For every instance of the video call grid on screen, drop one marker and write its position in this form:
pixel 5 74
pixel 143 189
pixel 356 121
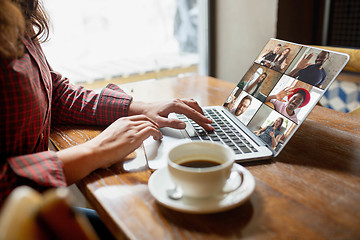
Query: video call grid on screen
pixel 298 74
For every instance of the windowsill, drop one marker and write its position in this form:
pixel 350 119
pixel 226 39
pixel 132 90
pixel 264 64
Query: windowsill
pixel 101 83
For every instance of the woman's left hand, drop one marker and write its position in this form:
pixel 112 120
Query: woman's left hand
pixel 159 111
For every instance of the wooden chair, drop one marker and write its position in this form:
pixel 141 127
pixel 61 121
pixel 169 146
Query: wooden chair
pixel 27 214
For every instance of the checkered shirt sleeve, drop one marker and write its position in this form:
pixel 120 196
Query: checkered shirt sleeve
pixel 33 96
pixel 76 105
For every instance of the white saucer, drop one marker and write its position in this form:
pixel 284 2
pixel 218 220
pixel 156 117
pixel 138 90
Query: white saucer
pixel 160 181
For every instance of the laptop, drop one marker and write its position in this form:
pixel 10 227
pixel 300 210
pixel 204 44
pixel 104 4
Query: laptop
pixel 267 106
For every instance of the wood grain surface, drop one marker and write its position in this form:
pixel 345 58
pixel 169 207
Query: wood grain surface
pixel 310 191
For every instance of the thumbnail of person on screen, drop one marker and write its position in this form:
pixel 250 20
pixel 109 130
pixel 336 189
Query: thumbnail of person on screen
pixel 243 105
pixel 297 98
pixel 230 102
pixel 253 88
pixel 271 134
pixel 280 60
pixel 270 56
pixel 313 74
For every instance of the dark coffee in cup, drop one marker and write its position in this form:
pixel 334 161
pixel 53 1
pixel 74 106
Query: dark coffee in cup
pixel 200 164
pixel 200 169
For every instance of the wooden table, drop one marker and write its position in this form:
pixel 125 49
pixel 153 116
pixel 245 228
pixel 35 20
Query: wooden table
pixel 310 191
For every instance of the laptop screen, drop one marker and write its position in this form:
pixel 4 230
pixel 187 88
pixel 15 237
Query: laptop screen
pixel 281 87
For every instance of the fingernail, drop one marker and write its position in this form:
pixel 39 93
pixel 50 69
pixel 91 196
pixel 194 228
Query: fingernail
pixel 181 125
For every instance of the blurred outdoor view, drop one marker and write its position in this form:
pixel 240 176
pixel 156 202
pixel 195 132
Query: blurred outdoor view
pixel 94 40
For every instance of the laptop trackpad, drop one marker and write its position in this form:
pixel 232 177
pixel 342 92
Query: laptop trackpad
pixel 156 151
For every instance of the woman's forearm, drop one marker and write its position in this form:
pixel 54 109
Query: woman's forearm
pixel 79 161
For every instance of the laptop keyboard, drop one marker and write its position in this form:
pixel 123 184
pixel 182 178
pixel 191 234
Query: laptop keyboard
pixel 223 132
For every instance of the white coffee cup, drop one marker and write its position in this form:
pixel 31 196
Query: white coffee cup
pixel 201 182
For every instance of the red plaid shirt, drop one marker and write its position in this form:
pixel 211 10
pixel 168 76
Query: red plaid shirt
pixel 33 96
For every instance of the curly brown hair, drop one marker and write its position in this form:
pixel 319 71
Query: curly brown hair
pixel 35 17
pixel 18 17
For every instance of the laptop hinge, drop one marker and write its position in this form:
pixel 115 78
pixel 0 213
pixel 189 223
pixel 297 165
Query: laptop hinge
pixel 249 133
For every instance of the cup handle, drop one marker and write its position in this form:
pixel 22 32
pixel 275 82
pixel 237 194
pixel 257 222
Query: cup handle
pixel 234 181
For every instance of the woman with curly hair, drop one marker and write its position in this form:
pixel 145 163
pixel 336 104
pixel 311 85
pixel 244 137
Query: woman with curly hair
pixel 34 97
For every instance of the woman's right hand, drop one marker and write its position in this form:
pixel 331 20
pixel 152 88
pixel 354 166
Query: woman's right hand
pixel 272 134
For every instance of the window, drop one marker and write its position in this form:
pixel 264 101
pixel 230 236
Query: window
pixel 96 40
